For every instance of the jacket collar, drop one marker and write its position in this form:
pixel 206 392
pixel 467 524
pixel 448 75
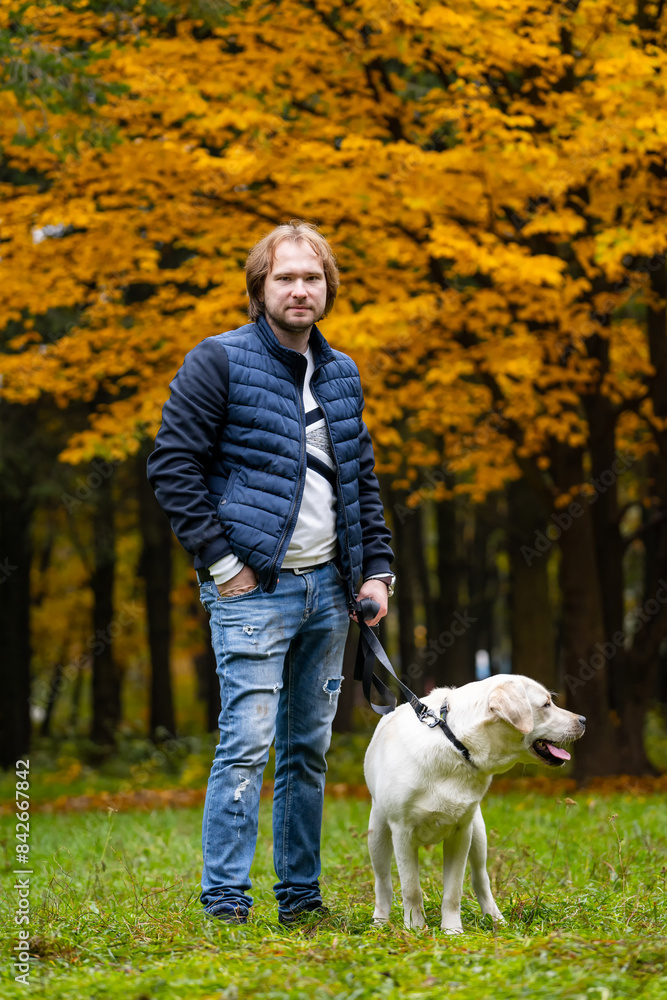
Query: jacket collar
pixel 322 353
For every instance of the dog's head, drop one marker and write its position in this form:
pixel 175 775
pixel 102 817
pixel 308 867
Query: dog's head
pixel 516 720
pixel 528 709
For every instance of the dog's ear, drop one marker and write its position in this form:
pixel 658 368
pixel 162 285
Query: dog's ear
pixel 511 704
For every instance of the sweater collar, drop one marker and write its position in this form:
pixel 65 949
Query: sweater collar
pixel 322 353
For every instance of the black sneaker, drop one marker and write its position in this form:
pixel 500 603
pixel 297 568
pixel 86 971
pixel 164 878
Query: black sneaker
pixel 220 911
pixel 310 914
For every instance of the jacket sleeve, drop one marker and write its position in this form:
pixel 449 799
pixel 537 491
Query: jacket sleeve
pixel 374 532
pixel 192 419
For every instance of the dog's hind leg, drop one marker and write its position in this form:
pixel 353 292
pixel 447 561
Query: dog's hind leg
pixel 379 848
pixel 478 872
pixel 407 861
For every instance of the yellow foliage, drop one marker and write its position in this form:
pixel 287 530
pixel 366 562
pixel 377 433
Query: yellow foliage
pixel 484 186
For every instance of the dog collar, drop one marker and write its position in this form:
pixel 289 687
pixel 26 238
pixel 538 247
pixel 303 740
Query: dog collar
pixel 441 722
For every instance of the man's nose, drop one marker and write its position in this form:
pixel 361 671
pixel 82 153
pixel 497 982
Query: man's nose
pixel 299 289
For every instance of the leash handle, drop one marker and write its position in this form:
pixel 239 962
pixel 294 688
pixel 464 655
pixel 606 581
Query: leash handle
pixel 366 609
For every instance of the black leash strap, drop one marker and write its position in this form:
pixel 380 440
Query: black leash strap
pixel 442 722
pixel 369 650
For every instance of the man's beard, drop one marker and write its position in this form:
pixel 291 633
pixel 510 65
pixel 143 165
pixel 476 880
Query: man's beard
pixel 296 325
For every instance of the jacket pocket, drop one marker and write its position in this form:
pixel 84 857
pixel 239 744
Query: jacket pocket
pixel 231 481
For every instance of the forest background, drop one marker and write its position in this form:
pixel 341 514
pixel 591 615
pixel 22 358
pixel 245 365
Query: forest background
pixel 493 179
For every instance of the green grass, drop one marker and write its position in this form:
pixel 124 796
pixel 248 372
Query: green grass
pixel 115 911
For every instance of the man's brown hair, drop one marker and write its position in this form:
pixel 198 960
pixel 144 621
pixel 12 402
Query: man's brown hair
pixel 260 261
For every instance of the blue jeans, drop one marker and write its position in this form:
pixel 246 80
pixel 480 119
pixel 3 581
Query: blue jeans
pixel 279 659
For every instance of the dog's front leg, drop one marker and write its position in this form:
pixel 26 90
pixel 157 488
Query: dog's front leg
pixel 478 872
pixel 407 862
pixel 454 856
pixel 379 848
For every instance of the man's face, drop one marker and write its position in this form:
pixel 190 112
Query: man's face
pixel 295 289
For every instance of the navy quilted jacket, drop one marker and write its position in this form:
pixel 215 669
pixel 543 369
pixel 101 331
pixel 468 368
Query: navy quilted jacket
pixel 229 463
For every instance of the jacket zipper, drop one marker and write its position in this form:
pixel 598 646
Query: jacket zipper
pixel 302 475
pixel 339 487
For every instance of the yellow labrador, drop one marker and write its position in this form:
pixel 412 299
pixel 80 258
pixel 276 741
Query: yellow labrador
pixel 427 786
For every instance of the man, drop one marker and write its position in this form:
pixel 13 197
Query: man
pixel 265 469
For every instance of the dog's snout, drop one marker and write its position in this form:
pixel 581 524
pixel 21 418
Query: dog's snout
pixel 582 720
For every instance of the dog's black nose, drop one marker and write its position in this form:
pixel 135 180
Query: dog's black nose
pixel 582 720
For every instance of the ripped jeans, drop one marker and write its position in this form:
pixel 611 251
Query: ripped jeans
pixel 279 660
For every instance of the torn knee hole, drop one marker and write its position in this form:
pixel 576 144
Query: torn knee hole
pixel 332 687
pixel 243 784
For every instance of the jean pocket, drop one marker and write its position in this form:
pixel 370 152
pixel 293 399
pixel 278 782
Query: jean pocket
pixel 207 594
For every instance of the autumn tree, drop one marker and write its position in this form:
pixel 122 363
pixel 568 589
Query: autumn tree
pixel 493 180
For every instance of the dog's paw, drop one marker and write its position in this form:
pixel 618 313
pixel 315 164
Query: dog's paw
pixel 451 930
pixel 380 921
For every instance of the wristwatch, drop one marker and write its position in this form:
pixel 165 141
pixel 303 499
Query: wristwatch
pixel 388 578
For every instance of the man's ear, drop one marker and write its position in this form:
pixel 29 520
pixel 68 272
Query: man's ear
pixel 509 703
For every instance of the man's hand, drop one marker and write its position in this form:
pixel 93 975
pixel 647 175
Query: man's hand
pixel 377 591
pixel 239 584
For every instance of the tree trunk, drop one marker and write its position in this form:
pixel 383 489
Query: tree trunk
pixel 643 660
pixel 106 708
pixel 15 558
pixel 644 657
pixel 607 466
pixel 586 666
pixel 54 689
pixel 75 702
pixel 424 596
pixel 482 583
pixel 531 619
pixel 454 653
pixel 155 568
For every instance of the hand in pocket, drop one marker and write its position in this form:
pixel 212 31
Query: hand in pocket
pixel 239 584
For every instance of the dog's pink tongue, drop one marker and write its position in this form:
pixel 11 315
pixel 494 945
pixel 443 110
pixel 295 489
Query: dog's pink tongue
pixel 558 752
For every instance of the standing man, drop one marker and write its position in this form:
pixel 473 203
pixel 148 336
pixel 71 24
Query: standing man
pixel 265 469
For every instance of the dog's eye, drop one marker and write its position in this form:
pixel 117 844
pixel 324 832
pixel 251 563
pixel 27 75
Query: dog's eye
pixel 548 705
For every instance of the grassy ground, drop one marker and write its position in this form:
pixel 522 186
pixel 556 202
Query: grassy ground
pixel 115 911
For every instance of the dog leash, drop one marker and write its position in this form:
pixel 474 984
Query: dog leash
pixel 368 651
